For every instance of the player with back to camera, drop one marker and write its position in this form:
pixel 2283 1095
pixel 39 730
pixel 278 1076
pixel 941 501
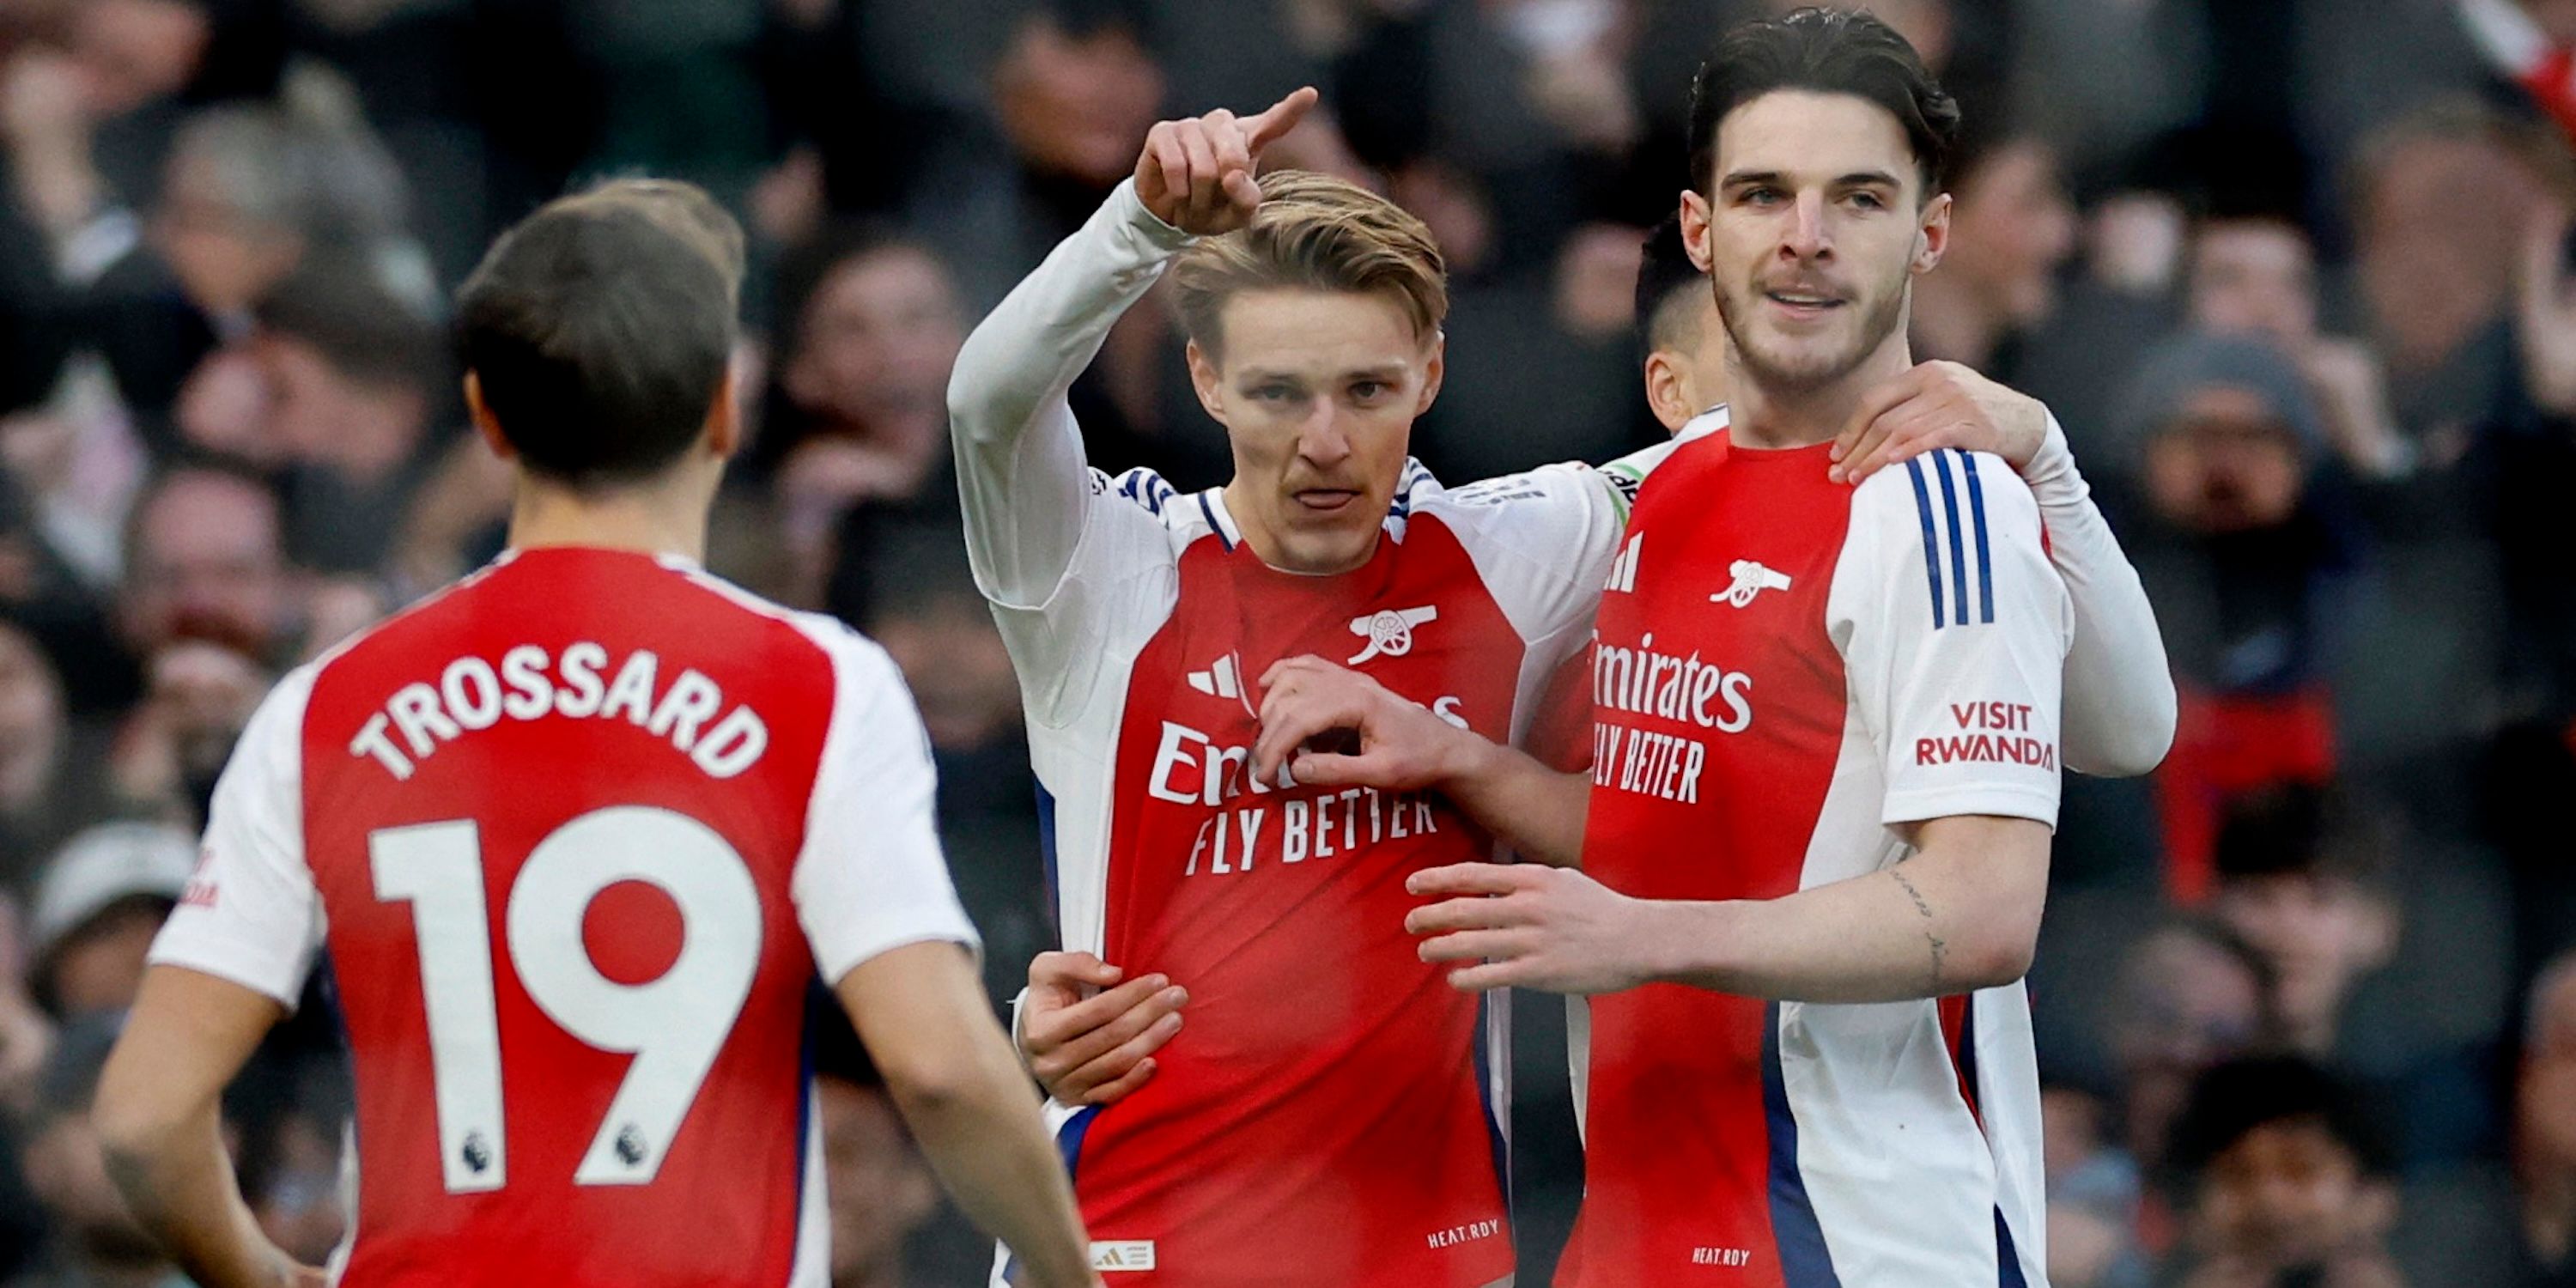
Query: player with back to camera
pixel 577 833
pixel 1141 618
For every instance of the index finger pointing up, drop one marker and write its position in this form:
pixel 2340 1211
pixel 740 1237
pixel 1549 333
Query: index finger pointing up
pixel 1261 131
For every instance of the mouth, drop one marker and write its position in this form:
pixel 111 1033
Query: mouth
pixel 1803 304
pixel 1321 501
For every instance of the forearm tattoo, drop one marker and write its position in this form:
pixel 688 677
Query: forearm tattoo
pixel 1940 947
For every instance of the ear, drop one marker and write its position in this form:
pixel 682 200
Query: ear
pixel 1934 240
pixel 1695 222
pixel 724 419
pixel 1668 390
pixel 1206 382
pixel 1434 371
pixel 485 424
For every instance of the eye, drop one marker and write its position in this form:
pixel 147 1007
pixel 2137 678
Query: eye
pixel 1761 196
pixel 1367 390
pixel 1868 201
pixel 1273 393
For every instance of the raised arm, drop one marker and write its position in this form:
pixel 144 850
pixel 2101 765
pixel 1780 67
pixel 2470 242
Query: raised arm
pixel 1021 473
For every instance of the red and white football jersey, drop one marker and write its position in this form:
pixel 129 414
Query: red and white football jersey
pixel 1331 1113
pixel 1786 670
pixel 577 834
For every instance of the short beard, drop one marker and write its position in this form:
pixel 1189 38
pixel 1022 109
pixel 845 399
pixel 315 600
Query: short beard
pixel 1795 381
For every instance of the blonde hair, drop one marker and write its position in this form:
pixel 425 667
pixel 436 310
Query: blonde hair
pixel 1314 232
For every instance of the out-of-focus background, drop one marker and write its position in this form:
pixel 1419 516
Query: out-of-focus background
pixel 2295 274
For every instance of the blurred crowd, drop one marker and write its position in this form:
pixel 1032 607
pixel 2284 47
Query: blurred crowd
pixel 2296 275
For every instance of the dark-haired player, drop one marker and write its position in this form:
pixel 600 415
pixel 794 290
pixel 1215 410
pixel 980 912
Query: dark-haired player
pixel 576 834
pixel 1826 753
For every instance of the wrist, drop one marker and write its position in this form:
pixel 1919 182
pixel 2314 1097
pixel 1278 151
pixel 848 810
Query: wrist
pixel 1465 760
pixel 1681 942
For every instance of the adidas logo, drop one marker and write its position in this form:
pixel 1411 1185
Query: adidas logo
pixel 1223 680
pixel 1623 570
pixel 1122 1254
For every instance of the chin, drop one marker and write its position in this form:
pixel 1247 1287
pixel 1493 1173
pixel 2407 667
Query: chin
pixel 1324 550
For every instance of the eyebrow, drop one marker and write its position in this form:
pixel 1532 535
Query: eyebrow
pixel 1388 373
pixel 1774 178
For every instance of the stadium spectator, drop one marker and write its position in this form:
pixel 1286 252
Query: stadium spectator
pixel 94 1240
pixel 879 1189
pixel 2257 276
pixel 2282 1180
pixel 206 560
pixel 2190 995
pixel 48 787
pixel 2247 571
pixel 355 385
pixel 2010 229
pixel 857 416
pixel 96 909
pixel 2301 878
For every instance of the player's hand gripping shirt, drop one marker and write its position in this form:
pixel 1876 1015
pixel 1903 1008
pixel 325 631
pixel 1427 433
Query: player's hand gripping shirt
pixel 581 831
pixel 1787 670
pixel 1330 1115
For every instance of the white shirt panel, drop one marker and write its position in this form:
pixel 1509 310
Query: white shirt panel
pixel 1954 629
pixel 251 914
pixel 871 876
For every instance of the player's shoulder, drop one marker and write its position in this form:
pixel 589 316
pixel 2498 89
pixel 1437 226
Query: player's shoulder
pixel 1186 516
pixel 854 657
pixel 1975 494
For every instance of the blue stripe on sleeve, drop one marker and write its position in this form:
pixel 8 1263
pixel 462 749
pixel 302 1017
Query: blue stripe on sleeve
pixel 1931 548
pixel 1958 546
pixel 1985 558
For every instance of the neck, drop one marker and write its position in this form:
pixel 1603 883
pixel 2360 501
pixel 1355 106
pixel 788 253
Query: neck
pixel 1762 416
pixel 665 519
pixel 1952 323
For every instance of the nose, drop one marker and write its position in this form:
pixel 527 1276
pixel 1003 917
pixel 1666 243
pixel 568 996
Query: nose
pixel 1805 237
pixel 1322 441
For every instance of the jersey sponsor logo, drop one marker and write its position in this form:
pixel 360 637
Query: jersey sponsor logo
pixel 1108 1255
pixel 1751 579
pixel 1468 1233
pixel 1626 481
pixel 1191 769
pixel 1623 570
pixel 1685 689
pixel 1224 679
pixel 470 696
pixel 1389 632
pixel 1993 733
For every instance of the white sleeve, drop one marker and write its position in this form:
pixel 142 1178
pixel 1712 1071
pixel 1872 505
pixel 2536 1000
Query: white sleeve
pixel 1022 479
pixel 871 876
pixel 2120 704
pixel 1954 629
pixel 251 914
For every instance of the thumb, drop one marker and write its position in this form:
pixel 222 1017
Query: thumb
pixel 1067 969
pixel 1261 131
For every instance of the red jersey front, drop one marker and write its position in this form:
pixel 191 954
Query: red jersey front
pixel 1330 1113
pixel 581 830
pixel 1787 670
